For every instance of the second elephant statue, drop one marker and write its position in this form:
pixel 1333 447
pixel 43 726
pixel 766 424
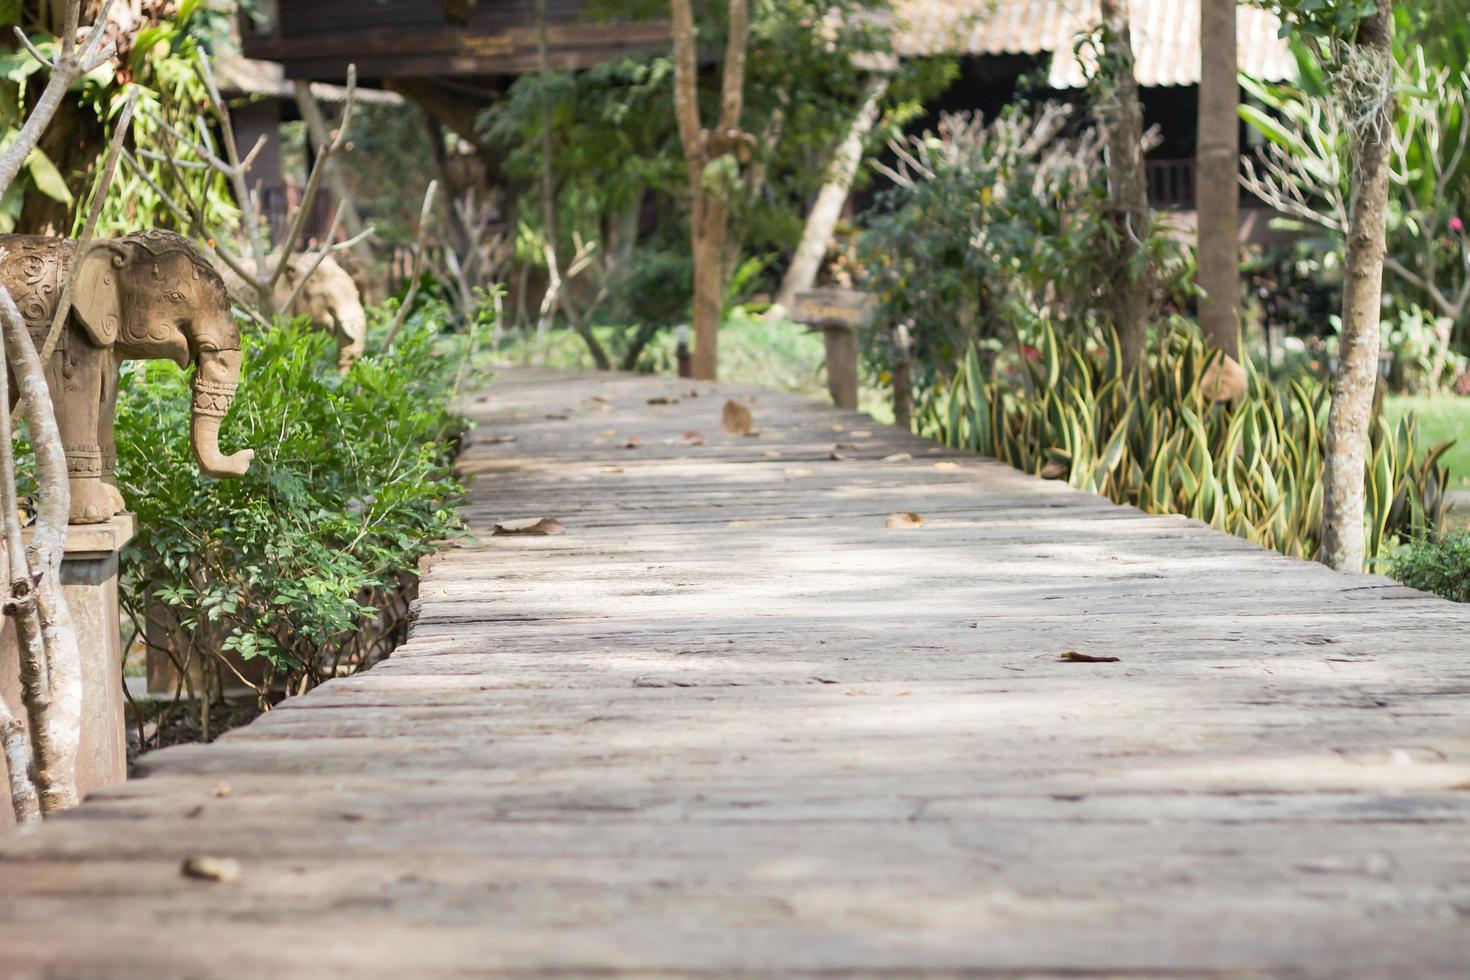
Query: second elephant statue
pixel 330 298
pixel 147 295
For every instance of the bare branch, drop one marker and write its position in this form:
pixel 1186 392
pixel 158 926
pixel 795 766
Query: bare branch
pixel 425 213
pixel 99 197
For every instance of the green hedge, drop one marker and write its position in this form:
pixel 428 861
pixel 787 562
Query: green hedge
pixel 350 485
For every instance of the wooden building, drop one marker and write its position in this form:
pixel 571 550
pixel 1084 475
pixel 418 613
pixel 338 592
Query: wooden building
pixel 438 38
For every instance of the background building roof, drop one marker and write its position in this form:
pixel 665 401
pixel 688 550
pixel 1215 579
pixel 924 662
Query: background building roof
pixel 1165 36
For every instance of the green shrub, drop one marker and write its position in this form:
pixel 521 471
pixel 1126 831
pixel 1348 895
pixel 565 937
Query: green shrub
pixel 1253 467
pixel 350 485
pixel 1439 565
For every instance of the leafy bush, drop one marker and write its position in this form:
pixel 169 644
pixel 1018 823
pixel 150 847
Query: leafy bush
pixel 992 223
pixel 351 484
pixel 1154 440
pixel 1439 565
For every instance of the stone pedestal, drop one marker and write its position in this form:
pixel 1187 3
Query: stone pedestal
pixel 89 582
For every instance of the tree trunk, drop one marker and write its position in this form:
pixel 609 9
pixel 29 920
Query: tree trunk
pixel 1127 185
pixel 320 136
pixel 709 285
pixel 831 199
pixel 709 213
pixel 1370 82
pixel 1217 165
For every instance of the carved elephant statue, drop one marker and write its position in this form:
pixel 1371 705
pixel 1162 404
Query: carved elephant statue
pixel 147 295
pixel 330 298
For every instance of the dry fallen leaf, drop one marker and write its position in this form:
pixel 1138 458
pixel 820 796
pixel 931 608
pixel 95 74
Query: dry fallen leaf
pixel 1073 657
pixel 1054 469
pixel 945 464
pixel 897 458
pixel 836 455
pixel 772 454
pixel 904 518
pixel 737 419
pixel 838 427
pixel 207 868
pixel 663 400
pixel 692 438
pixel 845 445
pixel 545 526
pixel 611 469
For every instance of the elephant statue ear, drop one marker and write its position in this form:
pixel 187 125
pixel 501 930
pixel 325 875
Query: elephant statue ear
pixel 95 297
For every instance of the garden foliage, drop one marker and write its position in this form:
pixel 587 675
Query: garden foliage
pixel 993 224
pixel 1155 440
pixel 1435 564
pixel 350 486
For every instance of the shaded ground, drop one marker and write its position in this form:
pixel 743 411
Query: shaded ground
pixel 730 722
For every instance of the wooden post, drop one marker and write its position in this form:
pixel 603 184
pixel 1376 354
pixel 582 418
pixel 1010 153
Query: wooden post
pixel 840 313
pixel 842 361
pixel 903 385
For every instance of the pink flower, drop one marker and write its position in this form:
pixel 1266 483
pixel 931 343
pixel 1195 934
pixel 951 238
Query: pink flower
pixel 1456 225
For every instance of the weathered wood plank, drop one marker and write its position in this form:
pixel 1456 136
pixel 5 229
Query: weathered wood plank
pixel 729 723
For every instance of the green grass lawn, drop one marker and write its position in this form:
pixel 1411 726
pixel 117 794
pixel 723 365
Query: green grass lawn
pixel 1442 419
pixel 780 355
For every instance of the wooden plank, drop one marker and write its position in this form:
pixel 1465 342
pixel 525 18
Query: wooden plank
pixel 731 724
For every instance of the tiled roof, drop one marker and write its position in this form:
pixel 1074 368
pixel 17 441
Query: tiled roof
pixel 1165 35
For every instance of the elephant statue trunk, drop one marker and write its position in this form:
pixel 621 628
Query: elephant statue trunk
pixel 215 379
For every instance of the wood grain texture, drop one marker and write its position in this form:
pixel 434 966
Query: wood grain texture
pixel 729 724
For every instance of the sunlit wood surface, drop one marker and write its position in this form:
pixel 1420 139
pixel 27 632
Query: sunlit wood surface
pixel 729 723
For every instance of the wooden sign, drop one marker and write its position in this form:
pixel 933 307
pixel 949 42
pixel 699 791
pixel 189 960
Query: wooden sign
pixel 850 308
pixel 838 313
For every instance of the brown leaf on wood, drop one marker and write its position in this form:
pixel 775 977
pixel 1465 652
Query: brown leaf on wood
pixel 737 419
pixel 945 464
pixel 904 518
pixel 1053 470
pixel 1224 380
pixel 692 438
pixel 897 458
pixel 836 455
pixel 545 526
pixel 1073 657
pixel 208 868
pixel 845 445
pixel 663 400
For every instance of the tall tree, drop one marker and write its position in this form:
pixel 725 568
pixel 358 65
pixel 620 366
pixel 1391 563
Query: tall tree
pixel 1217 162
pixel 1365 93
pixel 713 159
pixel 1127 182
pixel 832 198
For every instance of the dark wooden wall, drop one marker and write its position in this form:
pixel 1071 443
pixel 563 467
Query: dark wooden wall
pixel 317 39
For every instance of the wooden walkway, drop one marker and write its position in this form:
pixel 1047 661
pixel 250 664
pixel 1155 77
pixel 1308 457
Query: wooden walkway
pixel 729 724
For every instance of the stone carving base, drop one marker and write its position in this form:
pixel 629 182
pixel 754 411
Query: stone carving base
pixel 89 581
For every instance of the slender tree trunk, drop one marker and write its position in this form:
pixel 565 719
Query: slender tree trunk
pixel 1127 185
pixel 320 136
pixel 1367 91
pixel 1217 166
pixel 831 199
pixel 709 215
